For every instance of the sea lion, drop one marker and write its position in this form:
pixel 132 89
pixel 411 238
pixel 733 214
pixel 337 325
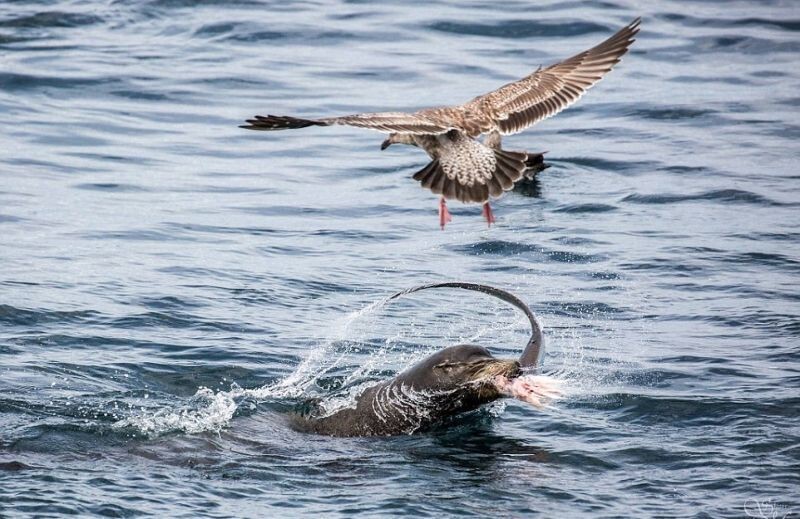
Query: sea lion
pixel 454 380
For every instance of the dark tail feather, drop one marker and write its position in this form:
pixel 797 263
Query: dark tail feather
pixel 279 122
pixel 533 351
pixel 426 174
pixel 495 189
pixel 535 164
pixel 434 178
pixel 510 167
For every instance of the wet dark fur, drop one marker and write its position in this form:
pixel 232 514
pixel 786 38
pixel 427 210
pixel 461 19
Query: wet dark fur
pixel 452 381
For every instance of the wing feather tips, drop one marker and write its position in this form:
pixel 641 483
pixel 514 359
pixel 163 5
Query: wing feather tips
pixel 558 86
pixel 279 122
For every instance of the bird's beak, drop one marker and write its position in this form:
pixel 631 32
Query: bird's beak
pixel 385 144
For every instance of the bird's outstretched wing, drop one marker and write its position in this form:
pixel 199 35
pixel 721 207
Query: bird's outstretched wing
pixel 386 122
pixel 518 105
pixel 509 109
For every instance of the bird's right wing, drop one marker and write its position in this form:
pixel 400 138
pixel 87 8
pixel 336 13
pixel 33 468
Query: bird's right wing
pixel 547 91
pixel 386 122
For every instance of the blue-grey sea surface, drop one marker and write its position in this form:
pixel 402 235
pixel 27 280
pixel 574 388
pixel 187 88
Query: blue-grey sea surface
pixel 173 287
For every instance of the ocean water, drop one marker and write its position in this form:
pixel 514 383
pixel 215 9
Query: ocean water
pixel 172 287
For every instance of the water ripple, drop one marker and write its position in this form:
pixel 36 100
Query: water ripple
pixel 520 29
pixel 735 196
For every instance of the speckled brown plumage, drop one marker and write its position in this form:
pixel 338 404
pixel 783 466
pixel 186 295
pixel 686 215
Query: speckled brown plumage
pixel 462 167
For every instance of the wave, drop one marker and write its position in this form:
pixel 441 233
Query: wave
pixel 521 29
pixel 737 196
pixel 51 19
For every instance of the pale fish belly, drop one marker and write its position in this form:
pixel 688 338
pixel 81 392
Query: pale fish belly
pixel 538 390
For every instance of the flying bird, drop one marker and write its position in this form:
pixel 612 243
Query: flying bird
pixel 462 167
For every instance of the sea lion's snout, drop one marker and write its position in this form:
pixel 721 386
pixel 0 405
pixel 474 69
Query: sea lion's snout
pixel 484 374
pixel 515 369
pixel 494 367
pixel 385 144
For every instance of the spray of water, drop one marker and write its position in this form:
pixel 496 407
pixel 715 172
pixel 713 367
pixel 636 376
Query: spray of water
pixel 210 410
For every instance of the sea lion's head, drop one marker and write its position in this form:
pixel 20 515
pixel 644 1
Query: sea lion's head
pixel 468 371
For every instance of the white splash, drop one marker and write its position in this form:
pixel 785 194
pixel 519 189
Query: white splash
pixel 207 411
pixel 323 359
pixel 212 411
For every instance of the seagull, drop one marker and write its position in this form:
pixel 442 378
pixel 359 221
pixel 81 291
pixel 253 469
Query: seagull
pixel 463 167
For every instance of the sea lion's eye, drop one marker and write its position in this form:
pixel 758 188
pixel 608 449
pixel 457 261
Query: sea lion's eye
pixel 446 366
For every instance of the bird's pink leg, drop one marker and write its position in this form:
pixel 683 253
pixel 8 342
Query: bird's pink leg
pixel 488 214
pixel 444 214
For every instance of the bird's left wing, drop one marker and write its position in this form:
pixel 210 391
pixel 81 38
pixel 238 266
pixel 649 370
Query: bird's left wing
pixel 386 122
